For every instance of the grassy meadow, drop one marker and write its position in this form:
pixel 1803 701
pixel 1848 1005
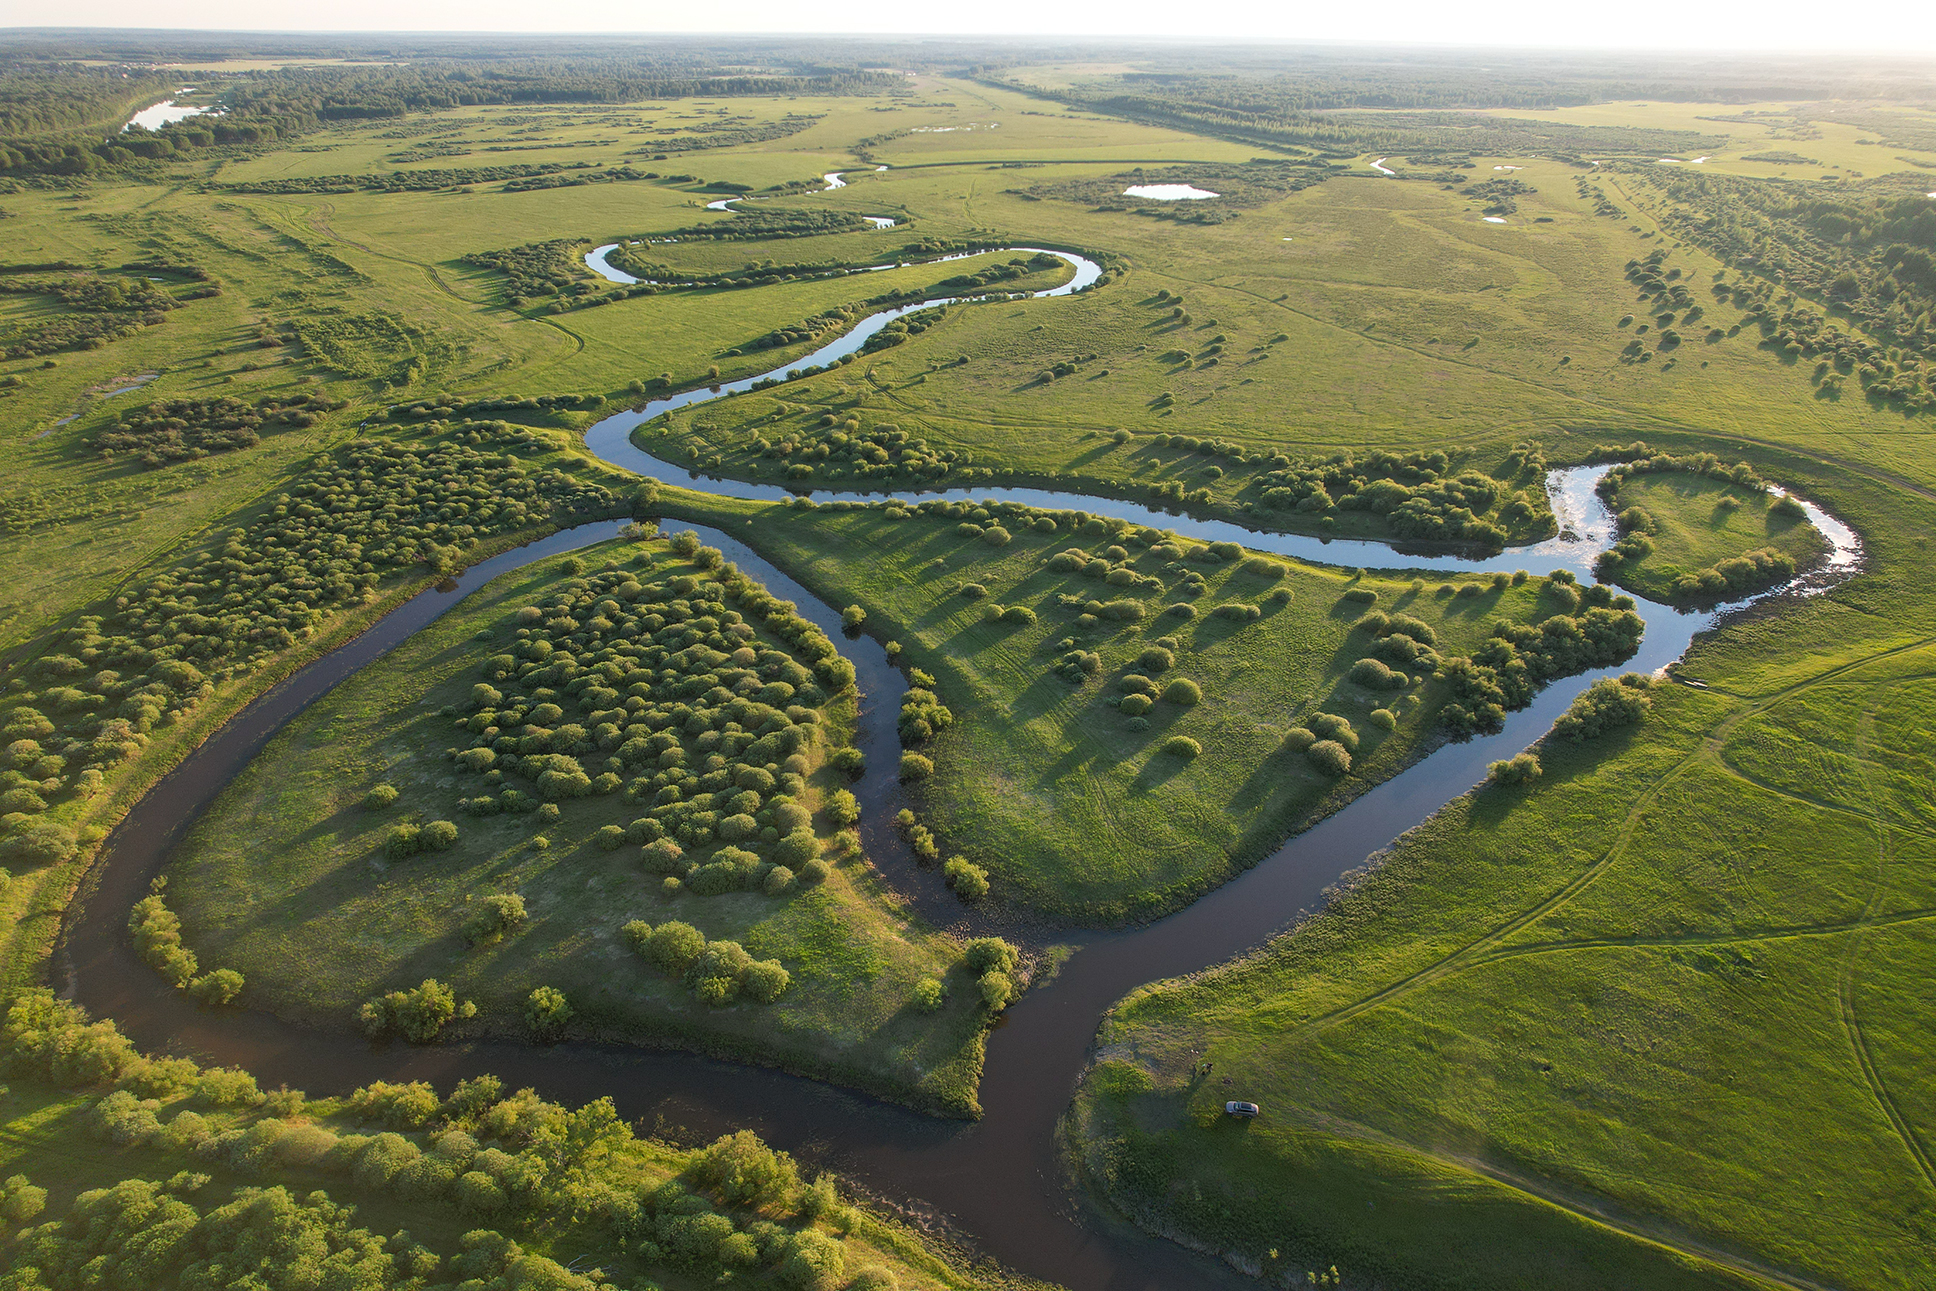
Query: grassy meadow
pixel 1696 522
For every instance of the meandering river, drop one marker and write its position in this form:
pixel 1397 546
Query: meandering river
pixel 998 1181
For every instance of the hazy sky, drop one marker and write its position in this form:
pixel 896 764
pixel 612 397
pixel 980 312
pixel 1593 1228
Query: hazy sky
pixel 1887 26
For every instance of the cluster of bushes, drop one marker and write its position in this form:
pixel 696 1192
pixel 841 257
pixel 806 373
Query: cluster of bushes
pixel 703 713
pixel 1860 250
pixel 158 939
pixel 1638 458
pixel 882 450
pixel 537 269
pixel 1327 740
pixel 719 972
pixel 1606 705
pixel 95 310
pixel 1418 493
pixel 496 917
pixel 1597 630
pixel 969 880
pixel 1520 768
pixel 735 1208
pixel 452 406
pixel 1500 195
pixel 993 962
pixel 174 430
pixel 923 715
pixel 407 839
pixel 419 1014
pixel 373 510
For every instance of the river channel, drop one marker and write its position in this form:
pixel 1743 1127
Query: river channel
pixel 998 1181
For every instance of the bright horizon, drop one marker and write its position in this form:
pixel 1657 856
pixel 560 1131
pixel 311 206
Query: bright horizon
pixel 1887 28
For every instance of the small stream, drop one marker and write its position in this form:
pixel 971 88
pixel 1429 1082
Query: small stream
pixel 999 1181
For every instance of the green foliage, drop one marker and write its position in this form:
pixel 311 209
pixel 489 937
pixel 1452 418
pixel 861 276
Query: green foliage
pixel 1330 757
pixel 546 1012
pixel 1183 692
pixel 915 767
pixel 1182 746
pixel 1606 705
pixel 970 881
pixel 379 797
pixel 496 917
pixel 1521 768
pixel 1502 673
pixel 419 1015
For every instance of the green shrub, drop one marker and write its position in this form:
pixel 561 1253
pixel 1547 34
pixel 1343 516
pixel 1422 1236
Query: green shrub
pixel 970 881
pixel 1606 705
pixel 404 840
pixel 495 917
pixel 419 1015
pixel 1330 726
pixel 986 953
pixel 438 836
pixel 609 838
pixel 1135 705
pixel 546 1011
pixel 929 995
pixel 1182 746
pixel 915 767
pixel 1374 674
pixel 1362 595
pixel 35 843
pixel 997 990
pixel 1299 738
pixel 217 988
pixel 842 808
pixel 1155 659
pixel 674 946
pixel 379 797
pixel 1330 757
pixel 1183 692
pixel 852 617
pixel 1384 719
pixel 1522 768
pixel 813 872
pixel 765 980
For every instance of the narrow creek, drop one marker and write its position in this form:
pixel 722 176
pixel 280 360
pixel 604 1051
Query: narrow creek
pixel 998 1181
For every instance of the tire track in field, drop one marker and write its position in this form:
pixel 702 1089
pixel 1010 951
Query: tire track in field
pixel 1474 952
pixel 1846 981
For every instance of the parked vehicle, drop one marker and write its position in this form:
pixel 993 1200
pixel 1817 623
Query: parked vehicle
pixel 1245 1110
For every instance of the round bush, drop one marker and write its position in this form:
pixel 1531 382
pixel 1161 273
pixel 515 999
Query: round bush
pixel 779 881
pixel 765 980
pixel 1523 768
pixel 915 767
pixel 1182 610
pixel 439 835
pixel 796 849
pixel 813 872
pixel 1384 719
pixel 1135 705
pixel 1362 595
pixel 1155 659
pixel 1330 757
pixel 674 946
pixel 929 994
pixel 1183 691
pixel 1182 746
pixel 379 797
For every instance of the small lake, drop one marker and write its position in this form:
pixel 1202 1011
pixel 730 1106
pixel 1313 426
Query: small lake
pixel 1169 192
pixel 167 112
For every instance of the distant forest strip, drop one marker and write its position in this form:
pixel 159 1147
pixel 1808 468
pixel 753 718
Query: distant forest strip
pixel 1266 112
pixel 64 119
